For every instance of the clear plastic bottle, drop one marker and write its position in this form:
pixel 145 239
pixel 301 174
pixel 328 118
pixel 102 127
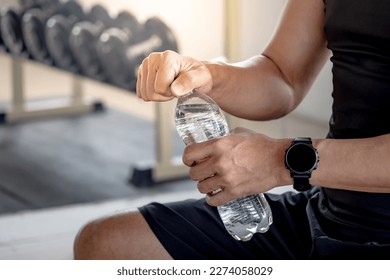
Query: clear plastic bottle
pixel 198 118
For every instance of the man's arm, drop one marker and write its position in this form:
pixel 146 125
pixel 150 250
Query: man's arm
pixel 271 85
pixel 356 164
pixel 255 164
pixel 267 86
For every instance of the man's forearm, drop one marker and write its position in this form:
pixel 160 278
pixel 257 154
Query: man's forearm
pixel 357 164
pixel 254 89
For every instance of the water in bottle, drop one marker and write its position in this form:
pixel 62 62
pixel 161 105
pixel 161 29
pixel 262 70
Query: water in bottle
pixel 198 118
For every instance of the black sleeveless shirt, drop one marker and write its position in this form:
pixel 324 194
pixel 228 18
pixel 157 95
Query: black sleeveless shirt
pixel 358 33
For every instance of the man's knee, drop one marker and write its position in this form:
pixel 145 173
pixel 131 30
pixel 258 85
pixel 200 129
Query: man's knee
pixel 105 238
pixel 124 236
pixel 88 242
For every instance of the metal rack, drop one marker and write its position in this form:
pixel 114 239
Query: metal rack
pixel 164 168
pixel 20 111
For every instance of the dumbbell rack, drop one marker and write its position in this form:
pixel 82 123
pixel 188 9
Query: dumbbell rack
pixel 164 168
pixel 19 110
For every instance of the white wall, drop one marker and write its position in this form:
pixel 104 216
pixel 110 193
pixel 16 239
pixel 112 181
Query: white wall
pixel 198 24
pixel 259 19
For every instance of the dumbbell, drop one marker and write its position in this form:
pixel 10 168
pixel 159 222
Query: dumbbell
pixel 85 36
pixel 10 25
pixel 127 26
pixel 33 28
pixel 82 40
pixel 56 33
pixel 113 39
pixel 11 31
pixel 121 57
pixel 99 15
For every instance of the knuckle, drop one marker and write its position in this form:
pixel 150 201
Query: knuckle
pixel 202 187
pixel 153 55
pixel 186 159
pixel 167 56
pixel 193 174
pixel 145 61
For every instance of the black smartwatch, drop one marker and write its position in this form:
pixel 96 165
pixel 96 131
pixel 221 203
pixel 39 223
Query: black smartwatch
pixel 301 159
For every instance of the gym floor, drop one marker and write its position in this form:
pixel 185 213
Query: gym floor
pixel 46 230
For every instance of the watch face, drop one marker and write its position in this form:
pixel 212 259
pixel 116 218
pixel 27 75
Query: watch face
pixel 301 158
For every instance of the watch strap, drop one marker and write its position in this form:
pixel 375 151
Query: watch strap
pixel 302 140
pixel 301 183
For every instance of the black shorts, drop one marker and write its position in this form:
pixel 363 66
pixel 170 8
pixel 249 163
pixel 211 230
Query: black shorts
pixel 192 229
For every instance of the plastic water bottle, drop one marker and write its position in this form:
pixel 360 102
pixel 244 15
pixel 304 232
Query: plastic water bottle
pixel 198 118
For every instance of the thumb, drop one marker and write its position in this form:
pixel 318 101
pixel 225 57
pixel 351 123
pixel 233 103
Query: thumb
pixel 199 79
pixel 178 88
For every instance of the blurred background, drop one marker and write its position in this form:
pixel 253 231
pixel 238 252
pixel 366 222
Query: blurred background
pixel 75 142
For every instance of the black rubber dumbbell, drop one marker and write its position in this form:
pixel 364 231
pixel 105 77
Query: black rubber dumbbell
pixel 99 15
pixel 11 31
pixel 85 36
pixel 114 39
pixel 33 28
pixel 57 31
pixel 126 22
pixel 82 40
pixel 121 57
pixel 10 25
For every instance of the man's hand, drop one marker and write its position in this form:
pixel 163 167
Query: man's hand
pixel 240 164
pixel 162 76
